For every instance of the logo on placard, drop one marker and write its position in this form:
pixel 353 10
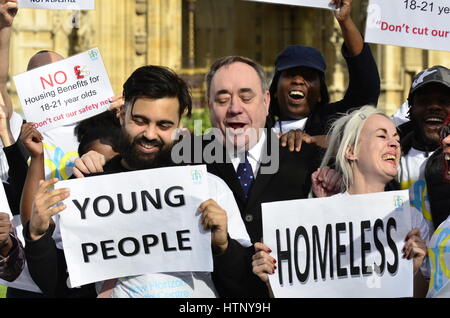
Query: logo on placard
pixel 81 71
pixel 398 202
pixel 197 176
pixel 93 54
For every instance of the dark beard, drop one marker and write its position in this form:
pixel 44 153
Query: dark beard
pixel 138 160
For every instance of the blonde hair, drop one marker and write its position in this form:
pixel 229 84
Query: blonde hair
pixel 344 134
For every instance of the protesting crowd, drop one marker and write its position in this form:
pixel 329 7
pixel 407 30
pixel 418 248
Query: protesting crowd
pixel 272 140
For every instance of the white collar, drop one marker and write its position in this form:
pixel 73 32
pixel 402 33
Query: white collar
pixel 255 151
pixel 284 126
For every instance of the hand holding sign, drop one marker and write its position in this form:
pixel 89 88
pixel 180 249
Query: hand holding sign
pixel 215 219
pixel 32 140
pixel 8 10
pixel 5 239
pixel 344 9
pixel 44 209
pixel 415 248
pixel 263 264
pixel 117 102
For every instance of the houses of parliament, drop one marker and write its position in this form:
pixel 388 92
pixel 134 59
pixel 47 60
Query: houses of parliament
pixel 188 35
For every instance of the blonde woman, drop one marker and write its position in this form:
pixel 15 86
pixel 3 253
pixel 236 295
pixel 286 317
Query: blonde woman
pixel 364 148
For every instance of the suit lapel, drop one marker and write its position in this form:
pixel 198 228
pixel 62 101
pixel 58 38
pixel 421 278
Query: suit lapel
pixel 226 172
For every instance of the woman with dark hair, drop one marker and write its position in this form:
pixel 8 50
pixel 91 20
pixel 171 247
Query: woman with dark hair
pixel 299 95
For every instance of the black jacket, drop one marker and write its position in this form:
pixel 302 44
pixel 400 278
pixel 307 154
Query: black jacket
pixel 438 188
pixel 16 176
pixel 233 276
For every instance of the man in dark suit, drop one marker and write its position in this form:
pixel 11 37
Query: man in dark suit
pixel 254 167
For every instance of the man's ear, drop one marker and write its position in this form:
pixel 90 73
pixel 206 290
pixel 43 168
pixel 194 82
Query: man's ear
pixel 121 114
pixel 267 102
pixel 350 153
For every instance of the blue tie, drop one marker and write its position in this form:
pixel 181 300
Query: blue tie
pixel 245 175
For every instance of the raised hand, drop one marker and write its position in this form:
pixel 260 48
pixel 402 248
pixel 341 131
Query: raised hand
pixel 344 9
pixel 326 182
pixel 31 138
pixel 8 10
pixel 44 207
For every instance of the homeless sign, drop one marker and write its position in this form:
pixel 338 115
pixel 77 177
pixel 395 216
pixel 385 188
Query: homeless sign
pixel 58 4
pixel 135 223
pixel 341 246
pixel 325 4
pixel 411 23
pixel 65 92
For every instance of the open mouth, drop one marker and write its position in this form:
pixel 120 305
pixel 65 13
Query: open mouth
pixel 236 125
pixel 296 95
pixel 390 158
pixel 148 146
pixel 434 121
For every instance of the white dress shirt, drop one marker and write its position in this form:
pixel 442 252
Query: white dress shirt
pixel 254 155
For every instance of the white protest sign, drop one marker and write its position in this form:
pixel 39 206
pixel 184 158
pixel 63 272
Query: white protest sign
pixel 57 4
pixel 410 23
pixel 135 223
pixel 342 246
pixel 65 92
pixel 325 4
pixel 24 281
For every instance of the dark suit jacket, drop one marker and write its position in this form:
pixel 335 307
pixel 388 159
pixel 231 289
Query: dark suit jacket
pixel 233 274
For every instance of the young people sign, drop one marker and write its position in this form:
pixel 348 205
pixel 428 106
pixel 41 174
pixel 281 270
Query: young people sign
pixel 135 223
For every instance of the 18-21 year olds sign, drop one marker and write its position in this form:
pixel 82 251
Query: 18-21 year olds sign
pixel 341 246
pixel 58 4
pixel 421 24
pixel 66 91
pixel 135 223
